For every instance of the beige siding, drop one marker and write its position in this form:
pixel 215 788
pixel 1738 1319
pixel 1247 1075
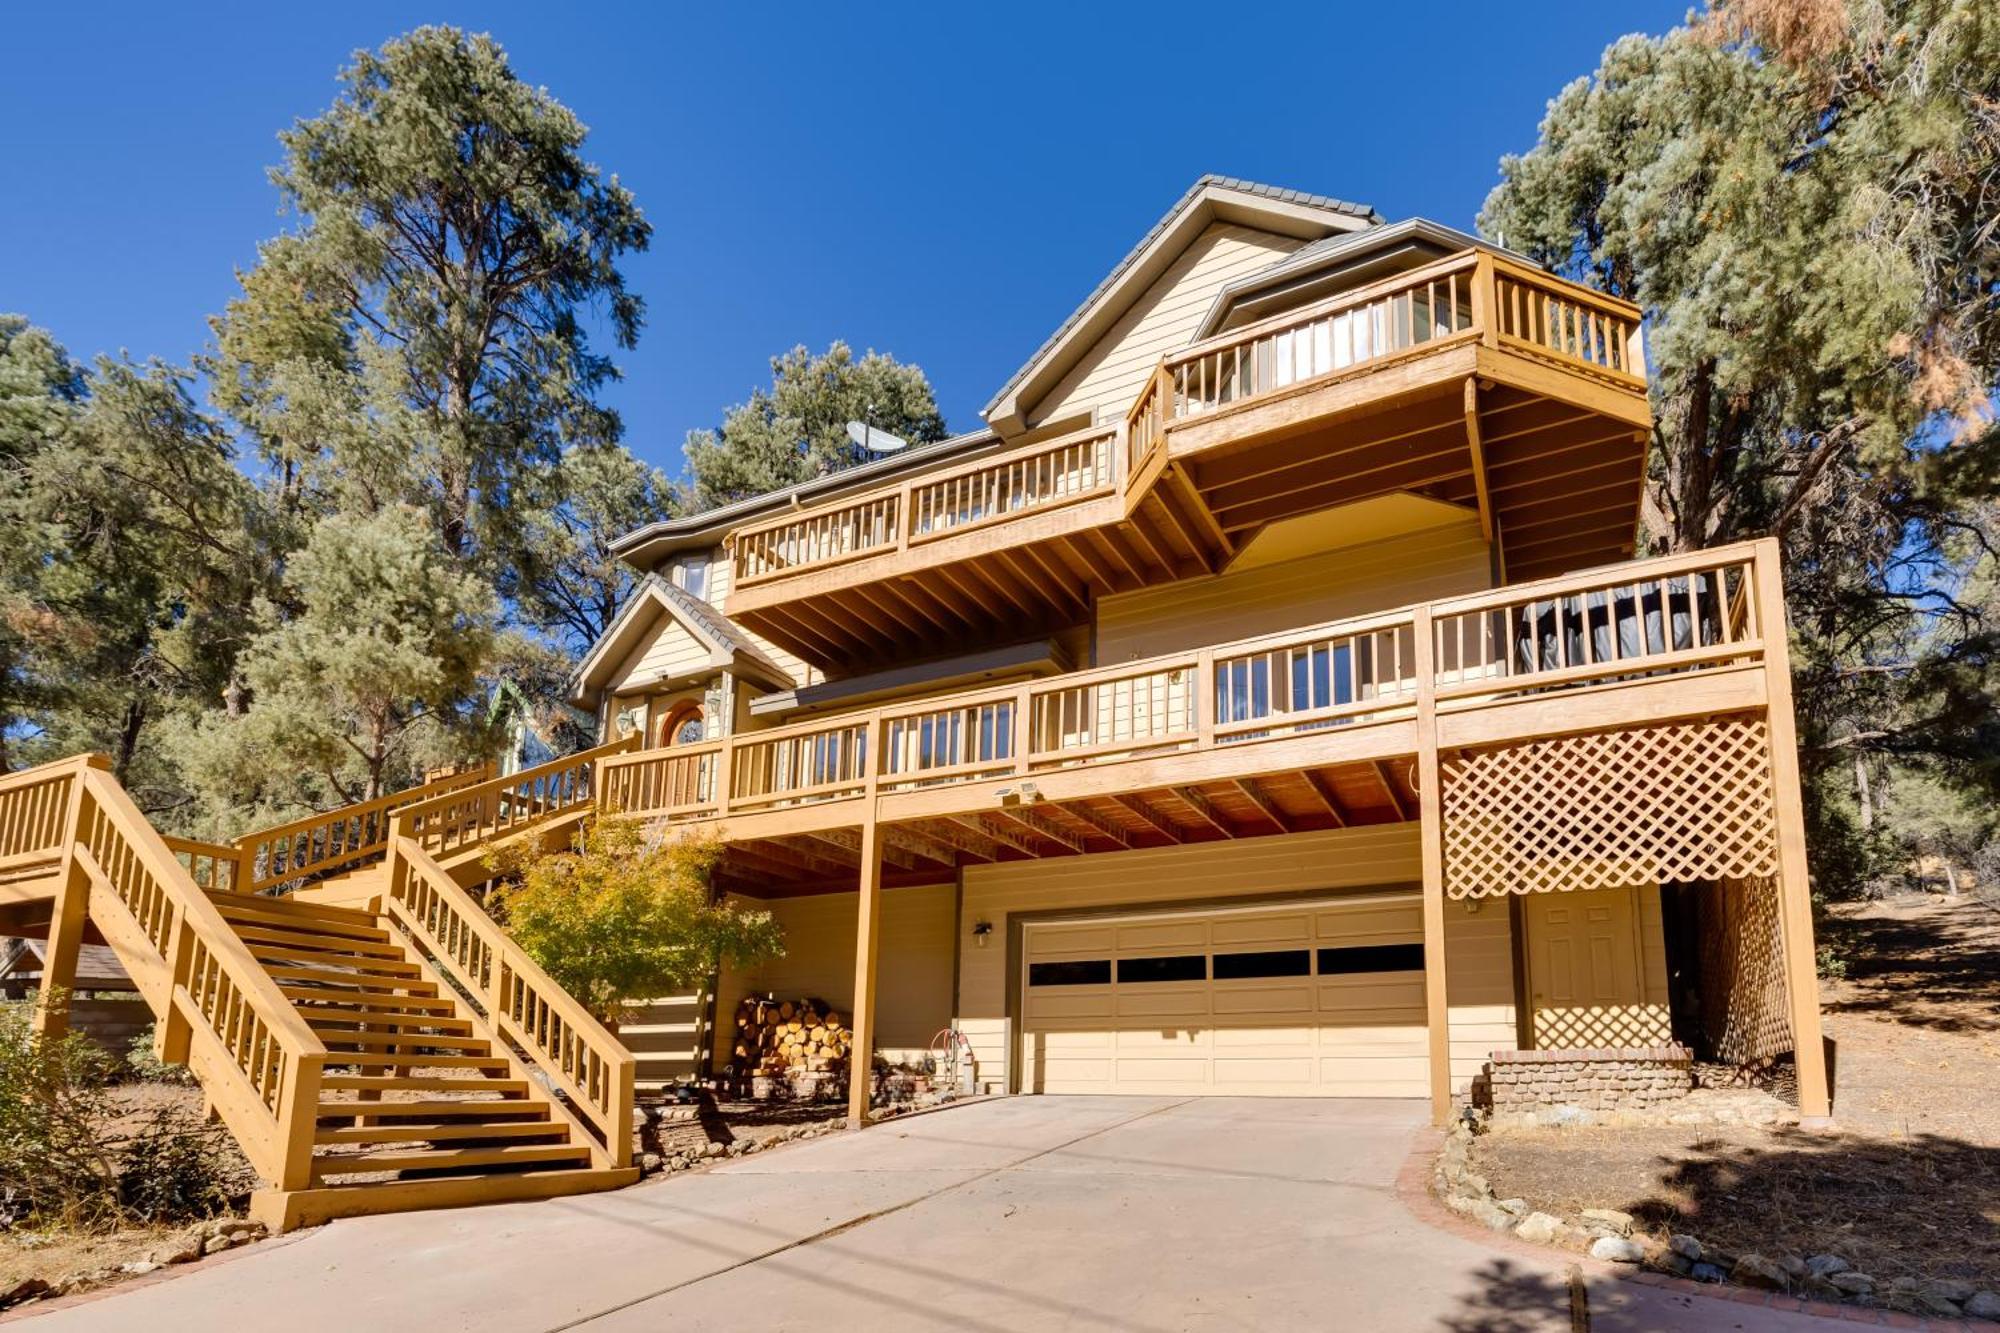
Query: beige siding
pixel 1478 945
pixel 914 971
pixel 1162 320
pixel 1353 581
pixel 718 593
pixel 666 652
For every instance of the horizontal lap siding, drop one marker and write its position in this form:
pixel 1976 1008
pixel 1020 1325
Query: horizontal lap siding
pixel 914 969
pixel 667 650
pixel 1445 561
pixel 719 574
pixel 1482 1002
pixel 1164 319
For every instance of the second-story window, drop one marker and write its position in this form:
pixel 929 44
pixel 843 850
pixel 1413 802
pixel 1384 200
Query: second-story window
pixel 694 577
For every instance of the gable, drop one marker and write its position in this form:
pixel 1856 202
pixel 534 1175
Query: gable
pixel 1165 318
pixel 665 651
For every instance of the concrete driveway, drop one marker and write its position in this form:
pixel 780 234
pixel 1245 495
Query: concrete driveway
pixel 1128 1214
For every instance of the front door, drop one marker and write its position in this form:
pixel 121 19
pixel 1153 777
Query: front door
pixel 1585 986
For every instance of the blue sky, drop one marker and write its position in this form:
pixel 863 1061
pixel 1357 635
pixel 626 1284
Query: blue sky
pixel 941 182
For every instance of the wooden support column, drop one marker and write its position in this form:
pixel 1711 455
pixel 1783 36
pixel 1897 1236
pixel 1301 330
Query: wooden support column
pixel 1794 887
pixel 66 921
pixel 867 945
pixel 1430 835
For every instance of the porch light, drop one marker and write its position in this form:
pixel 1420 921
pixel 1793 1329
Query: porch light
pixel 980 930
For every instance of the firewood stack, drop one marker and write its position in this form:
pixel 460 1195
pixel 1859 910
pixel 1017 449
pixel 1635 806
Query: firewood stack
pixel 782 1038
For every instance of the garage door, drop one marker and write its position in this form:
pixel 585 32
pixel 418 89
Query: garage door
pixel 1322 999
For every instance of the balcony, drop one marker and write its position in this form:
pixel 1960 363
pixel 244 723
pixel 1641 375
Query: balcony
pixel 1474 380
pixel 1316 728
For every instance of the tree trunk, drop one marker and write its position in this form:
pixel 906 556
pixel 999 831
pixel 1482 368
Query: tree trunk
pixel 1863 796
pixel 128 738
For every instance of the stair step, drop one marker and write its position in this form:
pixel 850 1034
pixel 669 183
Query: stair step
pixel 405 985
pixel 330 914
pixel 429 1132
pixel 372 966
pixel 373 1039
pixel 447 1159
pixel 371 1000
pixel 413 1060
pixel 302 918
pixel 436 1108
pixel 309 1207
pixel 324 946
pixel 421 1083
pixel 332 1022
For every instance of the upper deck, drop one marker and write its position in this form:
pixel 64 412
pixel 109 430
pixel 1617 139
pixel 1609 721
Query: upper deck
pixel 1474 379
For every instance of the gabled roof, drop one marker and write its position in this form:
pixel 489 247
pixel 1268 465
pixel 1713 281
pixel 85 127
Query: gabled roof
pixel 97 967
pixel 1212 198
pixel 729 647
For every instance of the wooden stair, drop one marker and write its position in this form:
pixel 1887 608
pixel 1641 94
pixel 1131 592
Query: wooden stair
pixel 420 1104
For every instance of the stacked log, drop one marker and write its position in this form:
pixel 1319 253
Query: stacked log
pixel 780 1038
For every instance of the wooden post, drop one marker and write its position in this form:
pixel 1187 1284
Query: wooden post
pixel 1430 834
pixel 1794 887
pixel 70 911
pixel 867 944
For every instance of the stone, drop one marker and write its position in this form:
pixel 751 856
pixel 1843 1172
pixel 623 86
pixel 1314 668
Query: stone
pixel 1754 1270
pixel 180 1250
pixel 1489 1214
pixel 1609 1218
pixel 1819 1288
pixel 1706 1273
pixel 1794 1266
pixel 649 1163
pixel 1685 1246
pixel 1851 1283
pixel 215 1245
pixel 139 1268
pixel 714 1149
pixel 1475 1183
pixel 1983 1305
pixel 1826 1265
pixel 1918 1301
pixel 27 1289
pixel 1950 1289
pixel 1540 1228
pixel 1617 1249
pixel 1514 1207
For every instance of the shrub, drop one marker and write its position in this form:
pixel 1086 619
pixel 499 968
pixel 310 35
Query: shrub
pixel 147 1067
pixel 623 916
pixel 172 1170
pixel 53 1162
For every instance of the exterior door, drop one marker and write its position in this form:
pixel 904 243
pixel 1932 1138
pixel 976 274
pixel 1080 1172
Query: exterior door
pixel 1585 984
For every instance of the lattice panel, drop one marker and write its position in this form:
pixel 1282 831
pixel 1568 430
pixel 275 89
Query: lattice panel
pixel 1741 970
pixel 1679 802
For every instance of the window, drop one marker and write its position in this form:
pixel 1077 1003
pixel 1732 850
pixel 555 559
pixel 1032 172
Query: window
pixel 684 726
pixel 1179 967
pixel 1091 972
pixel 1267 963
pixel 1371 958
pixel 694 577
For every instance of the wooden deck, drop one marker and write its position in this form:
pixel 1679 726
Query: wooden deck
pixel 1474 380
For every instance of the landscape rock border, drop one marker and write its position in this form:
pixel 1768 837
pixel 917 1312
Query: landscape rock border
pixel 1607 1235
pixel 211 1237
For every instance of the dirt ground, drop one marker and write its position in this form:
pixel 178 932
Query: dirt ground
pixel 1908 1184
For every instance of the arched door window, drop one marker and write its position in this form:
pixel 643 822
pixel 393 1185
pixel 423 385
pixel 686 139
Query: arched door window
pixel 684 726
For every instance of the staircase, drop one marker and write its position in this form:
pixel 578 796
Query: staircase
pixel 372 1039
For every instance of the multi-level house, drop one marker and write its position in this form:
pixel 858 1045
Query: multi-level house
pixel 1265 701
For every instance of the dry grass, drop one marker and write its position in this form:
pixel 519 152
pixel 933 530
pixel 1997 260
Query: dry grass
pixel 51 1256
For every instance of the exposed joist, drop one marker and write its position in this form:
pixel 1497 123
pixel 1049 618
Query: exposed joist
pixel 959 838
pixel 1141 810
pixel 1202 806
pixel 1266 807
pixel 1323 792
pixel 1096 823
pixel 1478 451
pixel 1012 835
pixel 1392 789
pixel 938 847
pixel 1026 818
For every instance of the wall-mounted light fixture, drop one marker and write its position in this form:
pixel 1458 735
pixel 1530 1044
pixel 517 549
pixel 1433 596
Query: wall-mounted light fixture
pixel 980 930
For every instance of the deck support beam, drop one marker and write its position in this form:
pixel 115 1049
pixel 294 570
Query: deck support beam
pixel 1430 835
pixel 867 950
pixel 1794 891
pixel 71 909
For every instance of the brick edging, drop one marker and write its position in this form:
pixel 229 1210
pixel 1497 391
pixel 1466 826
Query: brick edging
pixel 1413 1187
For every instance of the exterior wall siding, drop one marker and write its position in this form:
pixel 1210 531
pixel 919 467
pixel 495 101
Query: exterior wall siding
pixel 1162 320
pixel 1479 946
pixel 913 976
pixel 1421 566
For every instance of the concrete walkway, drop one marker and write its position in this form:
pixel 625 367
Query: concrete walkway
pixel 1125 1214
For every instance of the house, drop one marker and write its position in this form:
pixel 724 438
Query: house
pixel 1264 701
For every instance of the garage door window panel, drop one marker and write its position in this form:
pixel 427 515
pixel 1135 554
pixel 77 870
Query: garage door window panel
pixel 1371 958
pixel 1263 963
pixel 1087 972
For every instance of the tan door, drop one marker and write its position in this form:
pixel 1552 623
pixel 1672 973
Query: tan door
pixel 1321 999
pixel 1586 988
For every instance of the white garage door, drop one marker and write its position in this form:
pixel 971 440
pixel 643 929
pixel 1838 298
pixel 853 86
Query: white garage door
pixel 1322 999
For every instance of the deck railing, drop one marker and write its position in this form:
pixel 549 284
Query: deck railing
pixel 338 839
pixel 1682 613
pixel 35 808
pixel 822 538
pixel 458 822
pixel 1071 469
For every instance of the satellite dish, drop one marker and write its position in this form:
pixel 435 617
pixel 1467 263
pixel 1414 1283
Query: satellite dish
pixel 874 441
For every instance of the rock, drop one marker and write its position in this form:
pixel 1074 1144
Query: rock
pixel 649 1163
pixel 1754 1270
pixel 1685 1246
pixel 1983 1305
pixel 180 1250
pixel 1513 1207
pixel 1706 1273
pixel 1826 1265
pixel 1794 1266
pixel 1474 1183
pixel 1819 1288
pixel 27 1289
pixel 1609 1218
pixel 1540 1228
pixel 1950 1289
pixel 714 1149
pixel 1852 1283
pixel 139 1268
pixel 1617 1249
pixel 1919 1301
pixel 236 1226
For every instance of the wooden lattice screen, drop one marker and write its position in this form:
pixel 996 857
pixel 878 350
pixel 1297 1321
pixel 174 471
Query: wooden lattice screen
pixel 1680 802
pixel 1740 970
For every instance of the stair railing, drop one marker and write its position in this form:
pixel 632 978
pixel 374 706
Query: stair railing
pixel 335 839
pixel 218 1010
pixel 452 826
pixel 576 1053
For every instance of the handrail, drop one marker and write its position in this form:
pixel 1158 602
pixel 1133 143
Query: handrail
pixel 211 865
pixel 335 839
pixel 817 538
pixel 261 1058
pixel 469 817
pixel 1350 672
pixel 34 807
pixel 565 1041
pixel 1058 472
